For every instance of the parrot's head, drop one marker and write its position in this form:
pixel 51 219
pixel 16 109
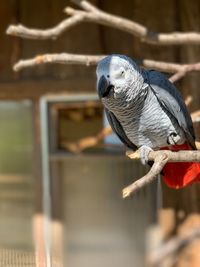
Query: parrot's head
pixel 118 77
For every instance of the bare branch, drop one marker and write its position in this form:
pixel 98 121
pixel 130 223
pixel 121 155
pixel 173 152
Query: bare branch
pixel 92 14
pixel 180 156
pixel 52 33
pixel 195 116
pixel 184 70
pixel 90 141
pixel 159 162
pixel 188 100
pixel 85 5
pixel 161 65
pixel 160 158
pixel 66 58
pixel 63 58
pixel 172 246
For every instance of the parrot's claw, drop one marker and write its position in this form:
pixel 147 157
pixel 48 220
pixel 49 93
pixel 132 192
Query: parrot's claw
pixel 144 152
pixel 173 139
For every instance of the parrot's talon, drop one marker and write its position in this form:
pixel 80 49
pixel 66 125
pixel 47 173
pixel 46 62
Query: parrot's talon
pixel 173 139
pixel 144 153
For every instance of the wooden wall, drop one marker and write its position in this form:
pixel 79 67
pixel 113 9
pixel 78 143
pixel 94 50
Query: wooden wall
pixel 165 16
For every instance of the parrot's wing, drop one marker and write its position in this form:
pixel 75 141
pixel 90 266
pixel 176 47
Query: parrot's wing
pixel 117 128
pixel 172 101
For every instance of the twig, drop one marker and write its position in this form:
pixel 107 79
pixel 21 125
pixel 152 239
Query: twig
pixel 88 60
pixel 159 163
pixel 63 58
pixel 180 156
pixel 195 116
pixel 160 158
pixel 183 70
pixel 90 141
pixel 173 246
pixel 90 13
pixel 188 100
pixel 52 33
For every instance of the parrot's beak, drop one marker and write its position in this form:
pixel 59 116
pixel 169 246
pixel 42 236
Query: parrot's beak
pixel 104 87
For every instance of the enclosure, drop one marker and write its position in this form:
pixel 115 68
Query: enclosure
pixel 62 171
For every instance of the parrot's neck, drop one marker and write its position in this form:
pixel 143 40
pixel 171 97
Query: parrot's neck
pixel 129 103
pixel 132 99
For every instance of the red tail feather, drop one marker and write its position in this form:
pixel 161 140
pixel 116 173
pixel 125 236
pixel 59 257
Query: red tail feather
pixel 180 174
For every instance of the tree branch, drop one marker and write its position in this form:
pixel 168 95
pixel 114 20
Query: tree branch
pixel 86 142
pixel 159 163
pixel 184 70
pixel 180 156
pixel 172 246
pixel 188 100
pixel 160 158
pixel 66 58
pixel 195 116
pixel 63 58
pixel 90 13
pixel 37 34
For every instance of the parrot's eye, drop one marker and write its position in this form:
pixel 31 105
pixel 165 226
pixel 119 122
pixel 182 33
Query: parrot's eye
pixel 119 73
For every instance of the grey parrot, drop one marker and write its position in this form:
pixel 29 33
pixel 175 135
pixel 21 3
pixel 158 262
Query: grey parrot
pixel 147 112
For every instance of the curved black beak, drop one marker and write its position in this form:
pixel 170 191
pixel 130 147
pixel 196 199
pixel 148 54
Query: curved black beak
pixel 104 87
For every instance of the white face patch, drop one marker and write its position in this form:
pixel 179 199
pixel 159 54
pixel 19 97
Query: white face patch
pixel 121 72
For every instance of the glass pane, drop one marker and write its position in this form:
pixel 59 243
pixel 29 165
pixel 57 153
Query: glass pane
pixel 78 127
pixel 78 120
pixel 16 181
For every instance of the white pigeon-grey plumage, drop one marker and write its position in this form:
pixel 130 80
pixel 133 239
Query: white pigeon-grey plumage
pixel 144 108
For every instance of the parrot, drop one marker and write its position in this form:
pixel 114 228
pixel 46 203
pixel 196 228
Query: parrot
pixel 147 112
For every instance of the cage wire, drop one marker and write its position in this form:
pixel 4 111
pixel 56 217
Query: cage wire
pixel 17 258
pixel 20 258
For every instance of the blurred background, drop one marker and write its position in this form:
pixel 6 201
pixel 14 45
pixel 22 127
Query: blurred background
pixel 60 203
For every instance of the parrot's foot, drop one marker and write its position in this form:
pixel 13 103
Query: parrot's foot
pixel 144 152
pixel 173 138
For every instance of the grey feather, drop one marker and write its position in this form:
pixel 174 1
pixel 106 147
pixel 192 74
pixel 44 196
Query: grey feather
pixel 117 128
pixel 171 100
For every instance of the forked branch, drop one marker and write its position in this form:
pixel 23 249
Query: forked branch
pixel 160 158
pixel 90 13
pixel 172 246
pixel 159 162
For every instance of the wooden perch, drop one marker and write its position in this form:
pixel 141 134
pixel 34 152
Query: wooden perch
pixel 172 246
pixel 159 162
pixel 160 158
pixel 63 58
pixel 90 13
pixel 88 60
